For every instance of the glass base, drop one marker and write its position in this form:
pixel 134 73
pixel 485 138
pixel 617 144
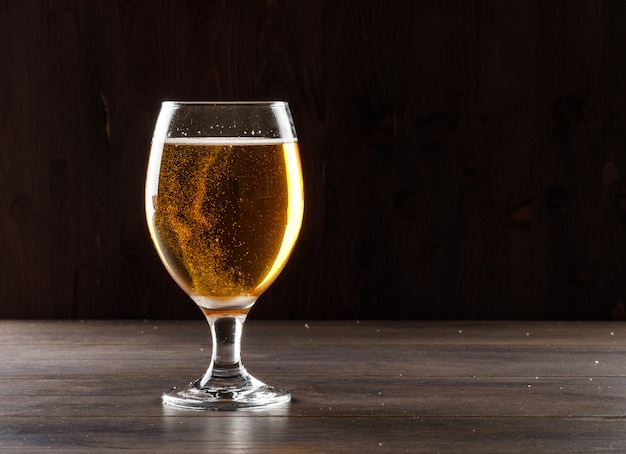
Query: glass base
pixel 251 394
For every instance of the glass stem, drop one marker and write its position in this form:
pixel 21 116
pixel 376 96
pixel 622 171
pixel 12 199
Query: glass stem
pixel 226 369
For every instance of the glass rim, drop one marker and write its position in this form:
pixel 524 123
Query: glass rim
pixel 226 103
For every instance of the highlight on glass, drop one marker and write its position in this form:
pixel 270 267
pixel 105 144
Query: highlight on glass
pixel 224 204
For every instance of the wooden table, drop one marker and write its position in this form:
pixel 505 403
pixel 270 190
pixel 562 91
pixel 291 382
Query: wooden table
pixel 357 387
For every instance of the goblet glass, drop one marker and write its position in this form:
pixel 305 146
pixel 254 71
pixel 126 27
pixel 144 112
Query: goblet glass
pixel 224 205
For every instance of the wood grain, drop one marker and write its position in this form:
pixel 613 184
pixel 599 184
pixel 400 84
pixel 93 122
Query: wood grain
pixel 357 387
pixel 463 159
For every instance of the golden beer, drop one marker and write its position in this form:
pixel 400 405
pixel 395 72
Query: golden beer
pixel 226 216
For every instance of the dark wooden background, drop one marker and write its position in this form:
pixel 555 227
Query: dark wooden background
pixel 463 159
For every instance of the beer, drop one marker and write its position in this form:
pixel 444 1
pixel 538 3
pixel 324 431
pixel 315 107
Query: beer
pixel 226 215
